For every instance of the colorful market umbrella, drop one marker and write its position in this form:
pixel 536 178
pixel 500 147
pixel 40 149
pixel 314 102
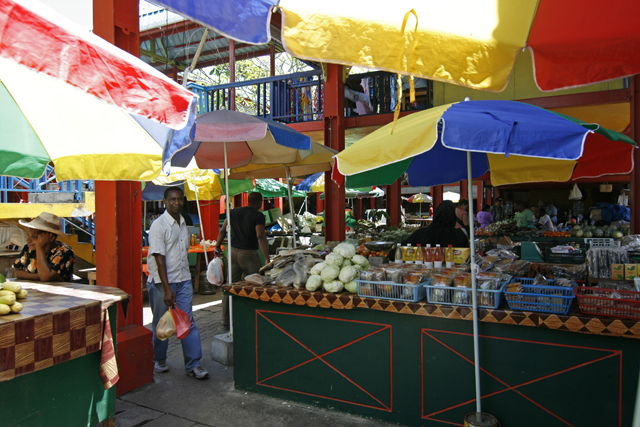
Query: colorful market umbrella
pixel 269 187
pixel 517 142
pixel 431 148
pixel 471 43
pixel 70 98
pixel 420 198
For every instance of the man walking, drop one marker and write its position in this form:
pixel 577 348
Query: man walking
pixel 170 281
pixel 247 235
pixel 497 210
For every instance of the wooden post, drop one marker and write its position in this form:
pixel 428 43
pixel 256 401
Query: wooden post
pixel 334 125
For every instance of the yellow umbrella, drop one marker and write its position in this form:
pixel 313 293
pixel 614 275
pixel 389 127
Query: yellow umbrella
pixel 205 183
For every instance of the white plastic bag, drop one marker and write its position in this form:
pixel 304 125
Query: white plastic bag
pixel 215 275
pixel 575 193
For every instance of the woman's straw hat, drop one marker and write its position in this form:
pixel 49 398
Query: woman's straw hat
pixel 45 222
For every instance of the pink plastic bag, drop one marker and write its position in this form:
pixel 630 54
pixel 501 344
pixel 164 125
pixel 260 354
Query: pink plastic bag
pixel 182 321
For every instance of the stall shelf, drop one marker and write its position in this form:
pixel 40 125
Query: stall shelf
pixel 412 363
pixel 57 356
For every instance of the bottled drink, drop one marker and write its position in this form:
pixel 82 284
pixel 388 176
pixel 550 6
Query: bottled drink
pixel 448 256
pixel 398 259
pixel 428 256
pixel 438 257
pixel 419 257
pixel 410 254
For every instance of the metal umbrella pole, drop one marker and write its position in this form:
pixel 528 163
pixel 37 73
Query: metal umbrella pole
pixel 226 203
pixel 293 213
pixel 474 291
pixel 206 259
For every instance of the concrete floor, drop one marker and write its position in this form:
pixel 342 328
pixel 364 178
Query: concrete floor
pixel 176 400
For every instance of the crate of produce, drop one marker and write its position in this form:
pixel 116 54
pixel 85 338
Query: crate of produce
pixel 546 299
pixel 391 290
pixel 447 295
pixel 601 242
pixel 608 302
pixel 573 257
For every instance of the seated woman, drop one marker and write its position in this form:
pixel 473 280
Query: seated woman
pixel 43 258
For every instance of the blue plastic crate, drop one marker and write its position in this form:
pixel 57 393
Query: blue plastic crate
pixel 461 297
pixel 546 299
pixel 391 290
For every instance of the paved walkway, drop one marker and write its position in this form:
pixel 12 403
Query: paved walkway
pixel 175 400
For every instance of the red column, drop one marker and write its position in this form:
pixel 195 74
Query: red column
pixel 210 217
pixel 464 191
pixel 480 193
pixel 119 221
pixel 372 201
pixel 232 73
pixel 488 200
pixel 358 211
pixel 634 203
pixel 334 125
pixel 319 203
pixel 393 201
pixel 237 201
pixel 436 193
pixel 272 60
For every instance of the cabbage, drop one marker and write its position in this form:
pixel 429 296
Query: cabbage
pixel 347 274
pixel 351 287
pixel 316 269
pixel 359 259
pixel 347 250
pixel 346 263
pixel 357 267
pixel 334 259
pixel 334 286
pixel 313 283
pixel 330 273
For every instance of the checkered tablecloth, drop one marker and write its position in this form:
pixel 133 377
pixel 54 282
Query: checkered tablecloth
pixel 58 322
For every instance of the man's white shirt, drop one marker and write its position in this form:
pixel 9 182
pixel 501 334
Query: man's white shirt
pixel 169 238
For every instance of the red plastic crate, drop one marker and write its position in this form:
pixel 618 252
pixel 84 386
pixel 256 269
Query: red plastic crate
pixel 601 302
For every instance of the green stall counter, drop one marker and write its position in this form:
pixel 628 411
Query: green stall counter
pixel 51 355
pixel 412 363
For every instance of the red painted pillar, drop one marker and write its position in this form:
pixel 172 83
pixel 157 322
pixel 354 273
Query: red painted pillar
pixel 464 191
pixel 488 199
pixel 358 211
pixel 634 203
pixel 119 220
pixel 237 201
pixel 210 217
pixel 393 201
pixel 372 201
pixel 272 60
pixel 334 125
pixel 232 73
pixel 480 193
pixel 436 194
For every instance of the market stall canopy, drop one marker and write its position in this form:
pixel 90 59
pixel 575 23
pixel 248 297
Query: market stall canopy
pixel 272 188
pixel 318 159
pixel 472 43
pixel 206 183
pixel 517 142
pixel 315 184
pixel 70 98
pixel 350 193
pixel 248 139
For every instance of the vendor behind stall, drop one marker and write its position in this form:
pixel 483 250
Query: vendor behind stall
pixel 43 258
pixel 442 231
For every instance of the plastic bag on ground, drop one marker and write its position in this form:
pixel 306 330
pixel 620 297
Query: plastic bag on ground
pixel 166 326
pixel 182 322
pixel 215 274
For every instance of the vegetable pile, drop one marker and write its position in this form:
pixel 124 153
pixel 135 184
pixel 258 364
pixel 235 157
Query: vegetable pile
pixel 338 271
pixel 9 294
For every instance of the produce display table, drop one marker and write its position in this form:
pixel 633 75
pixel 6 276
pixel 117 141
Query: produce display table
pixel 412 363
pixel 57 358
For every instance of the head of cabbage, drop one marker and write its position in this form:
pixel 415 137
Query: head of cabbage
pixel 347 250
pixel 347 274
pixel 334 286
pixel 313 283
pixel 330 273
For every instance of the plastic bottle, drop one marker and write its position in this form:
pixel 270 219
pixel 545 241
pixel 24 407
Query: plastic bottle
pixel 398 259
pixel 410 255
pixel 448 256
pixel 428 256
pixel 419 257
pixel 438 257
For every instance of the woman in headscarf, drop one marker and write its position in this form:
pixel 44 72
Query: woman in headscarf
pixel 442 231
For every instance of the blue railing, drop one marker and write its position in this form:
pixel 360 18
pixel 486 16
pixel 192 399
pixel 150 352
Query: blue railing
pixel 299 97
pixel 44 184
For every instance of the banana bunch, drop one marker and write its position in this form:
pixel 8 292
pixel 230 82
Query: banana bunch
pixel 10 293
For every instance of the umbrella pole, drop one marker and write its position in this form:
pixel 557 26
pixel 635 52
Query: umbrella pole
pixel 474 290
pixel 293 213
pixel 206 259
pixel 226 203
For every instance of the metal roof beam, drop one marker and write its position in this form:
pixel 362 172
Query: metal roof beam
pixel 178 27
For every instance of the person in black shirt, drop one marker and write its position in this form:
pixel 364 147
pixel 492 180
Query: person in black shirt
pixel 442 231
pixel 247 235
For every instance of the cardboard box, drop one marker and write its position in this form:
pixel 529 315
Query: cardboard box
pixel 630 271
pixel 617 271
